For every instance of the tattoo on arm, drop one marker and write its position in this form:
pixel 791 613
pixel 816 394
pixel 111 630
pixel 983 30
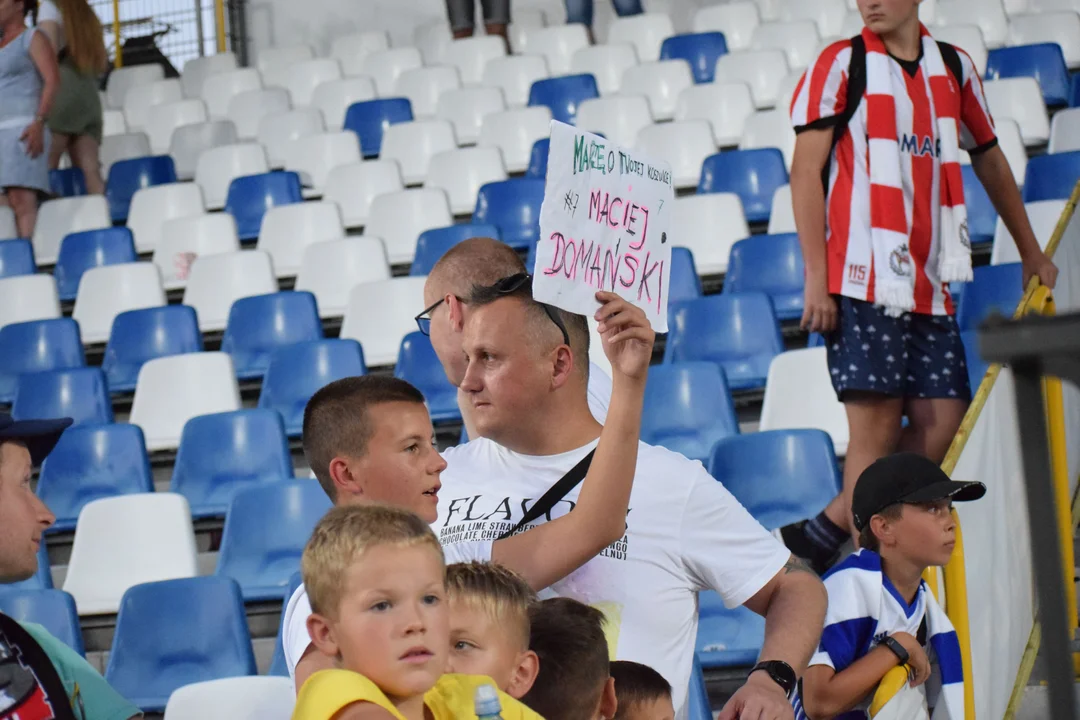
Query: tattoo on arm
pixel 794 564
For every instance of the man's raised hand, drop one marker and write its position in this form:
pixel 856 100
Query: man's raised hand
pixel 626 335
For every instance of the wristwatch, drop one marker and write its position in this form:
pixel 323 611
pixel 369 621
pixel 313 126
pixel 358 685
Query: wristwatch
pixel 781 673
pixel 898 649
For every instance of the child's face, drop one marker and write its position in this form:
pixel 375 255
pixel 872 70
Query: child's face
pixel 479 646
pixel 660 708
pixel 926 533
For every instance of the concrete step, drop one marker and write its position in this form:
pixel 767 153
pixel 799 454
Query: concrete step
pixel 1036 703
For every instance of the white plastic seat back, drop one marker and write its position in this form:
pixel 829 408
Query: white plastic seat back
pixel 277 131
pixel 283 56
pixel 782 214
pixel 288 229
pixel 465 108
pixel 399 218
pixel 661 82
pixel 968 38
pixel 771 128
pixel 853 22
pixel 113 123
pixel 162 120
pixel 8 230
pixel 514 75
pixel 63 216
pixel 432 37
pixel 461 172
pixel 141 98
pixel 186 238
pixel 218 90
pixel 470 55
pixel 606 63
pixel 198 69
pixel 413 144
pixel 216 281
pixel 800 395
pixel 302 78
pixel 350 50
pixel 646 32
pixel 1062 28
pixel 558 44
pixel 827 14
pixel 125 146
pixel 247 109
pixel 190 141
pixel 726 107
pixel 330 269
pixel 785 92
pixel 236 698
pixel 107 291
pixel 618 117
pixel 28 297
pixel 128 540
pixel 709 225
pixel 989 15
pixel 386 66
pixel 1012 144
pixel 219 166
pixel 736 20
pixel 799 39
pixel 333 98
pixel 1021 100
pixel 314 156
pixel 684 144
pixel 423 86
pixel 123 79
pixel 380 314
pixel 1065 131
pixel 354 186
pixel 762 70
pixel 1043 216
pixel 524 20
pixel 152 207
pixel 514 132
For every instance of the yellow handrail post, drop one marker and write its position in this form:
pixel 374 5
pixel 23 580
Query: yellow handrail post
pixel 219 21
pixel 956 593
pixel 118 59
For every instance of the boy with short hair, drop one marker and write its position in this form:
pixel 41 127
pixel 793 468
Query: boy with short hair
pixel 881 613
pixel 377 585
pixel 574 682
pixel 642 693
pixel 489 625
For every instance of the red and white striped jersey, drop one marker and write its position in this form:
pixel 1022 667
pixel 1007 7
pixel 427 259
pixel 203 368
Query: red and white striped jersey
pixel 818 103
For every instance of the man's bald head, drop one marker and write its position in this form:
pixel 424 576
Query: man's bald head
pixel 476 261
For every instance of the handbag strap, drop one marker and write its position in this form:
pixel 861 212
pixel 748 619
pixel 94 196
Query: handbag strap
pixel 554 494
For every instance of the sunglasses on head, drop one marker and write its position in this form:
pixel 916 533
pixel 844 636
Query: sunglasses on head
pixel 514 283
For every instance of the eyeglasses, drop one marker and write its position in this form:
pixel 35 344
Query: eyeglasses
pixel 513 283
pixel 423 320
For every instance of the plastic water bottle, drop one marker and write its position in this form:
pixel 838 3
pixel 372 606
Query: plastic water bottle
pixel 487 704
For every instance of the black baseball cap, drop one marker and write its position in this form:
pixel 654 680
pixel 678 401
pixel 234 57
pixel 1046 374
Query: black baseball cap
pixel 39 436
pixel 906 478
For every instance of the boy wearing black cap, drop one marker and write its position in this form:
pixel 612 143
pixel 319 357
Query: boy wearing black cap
pixel 881 614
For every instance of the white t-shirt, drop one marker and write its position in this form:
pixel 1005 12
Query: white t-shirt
pixel 685 533
pixel 599 391
pixel 48 12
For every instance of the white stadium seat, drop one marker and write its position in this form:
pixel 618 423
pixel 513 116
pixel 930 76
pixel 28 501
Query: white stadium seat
pixel 1062 28
pixel 461 172
pixel 125 146
pixel 771 128
pixel 1043 216
pixel 216 281
pixel 185 238
pixel 786 90
pixel 661 82
pixel 770 10
pixel 558 44
pixel 989 15
pixel 278 130
pixel 413 144
pixel 423 86
pixel 237 698
pixel 514 75
pixel 380 314
pixel 62 216
pixel 968 38
pixel 218 167
pixel 1065 131
pixel 198 69
pixel 927 11
pixel 799 39
pixel 646 32
pixel 827 14
pixel 189 141
pixel 432 37
pixel 782 214
pixel 385 66
pixel 302 78
pixel 107 291
pixel 684 144
pixel 465 108
pixel 282 56
pixel 152 207
pixel 726 106
pixel 800 395
pixel 618 117
pixel 113 123
pixel 333 98
pixel 1021 99
pixel 28 297
pixel 162 120
pixel 354 186
pixel 514 132
pixel 7 223
pixel 470 55
pixel 218 90
pixel 314 156
pixel 350 50
pixel 709 224
pixel 140 98
pixel 128 540
pixel 399 218
pixel 124 78
pixel 247 109
pixel 330 269
pixel 524 19
pixel 736 20
pixel 606 63
pixel 762 70
pixel 853 23
pixel 287 230
pixel 1012 144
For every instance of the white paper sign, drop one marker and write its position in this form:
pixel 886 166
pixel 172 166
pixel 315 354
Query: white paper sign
pixel 603 226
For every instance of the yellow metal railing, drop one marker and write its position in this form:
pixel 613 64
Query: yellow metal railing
pixel 893 682
pixel 118 60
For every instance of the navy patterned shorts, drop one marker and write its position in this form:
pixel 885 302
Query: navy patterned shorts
pixel 914 355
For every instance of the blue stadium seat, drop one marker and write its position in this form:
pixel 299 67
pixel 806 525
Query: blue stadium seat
pixel 16 258
pixel 738 332
pixel 126 177
pixel 513 206
pixel 92 462
pixel 771 264
pixel 1051 177
pixel 266 529
pixel 982 216
pixel 297 371
pixel 701 50
pixel 78 393
pixel 251 196
pixel 223 453
pixel 278 667
pixel 52 609
pixel 369 120
pixel 976 366
pixel 141 335
pixel 418 364
pixel 260 324
pixel 994 287
pixel 538 158
pixel 753 175
pixel 177 632
pixel 34 346
pixel 688 407
pixel 684 283
pixel 563 94
pixel 815 340
pixel 41 580
pixel 1074 91
pixel 82 251
pixel 433 244
pixel 68 182
pixel 725 638
pixel 1043 61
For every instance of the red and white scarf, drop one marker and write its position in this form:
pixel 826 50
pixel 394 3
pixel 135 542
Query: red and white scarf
pixel 889 228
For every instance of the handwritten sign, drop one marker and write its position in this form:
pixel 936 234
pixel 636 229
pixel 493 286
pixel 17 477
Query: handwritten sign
pixel 604 225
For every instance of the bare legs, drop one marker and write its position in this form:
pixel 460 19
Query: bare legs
pixel 85 155
pixel 23 202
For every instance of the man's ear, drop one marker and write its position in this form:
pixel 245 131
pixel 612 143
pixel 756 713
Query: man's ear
pixel 456 312
pixel 524 675
pixel 609 704
pixel 345 481
pixel 564 366
pixel 883 530
pixel 322 635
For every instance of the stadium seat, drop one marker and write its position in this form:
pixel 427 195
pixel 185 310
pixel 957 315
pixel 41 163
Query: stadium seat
pixel 513 206
pixel 418 364
pixel 90 462
pixel 330 269
pixel 967 37
pixel 1044 62
pixel 350 50
pixel 798 39
pixel 288 229
pixel 470 56
pixel 646 32
pixel 828 14
pixel 771 264
pixel 28 297
pixel 141 98
pixel 7 223
pixel 736 20
pixel 619 118
pixel 1043 216
pixel 248 108
pixel 176 632
pixel 563 94
pixel 260 324
pixel 684 282
pixel 89 249
pixel 218 90
pixel 105 292
pixel 606 63
pixel 685 144
pixel 557 44
pixel 661 82
pixel 354 186
pixel 465 109
pixel 186 238
pixel 79 393
pixel 218 167
pixel 385 66
pixel 128 176
pixel 36 346
pixel 461 172
pixel 251 196
pixel 514 75
pixel 1012 144
pixel 1020 99
pixel 989 15
pixel 296 371
pixel 1065 131
pixel 52 609
pixel 278 130
pixel 121 80
pixel 976 366
pixel 68 182
pixel 709 225
pixel 312 157
pixel 514 132
pixel 538 158
pixel 762 70
pixel 1052 177
pixel 16 258
pixel 786 90
pixel 1062 27
pixel 63 216
pixel 141 335
pixel 162 120
pixel 524 20
pixel 981 213
pixel 799 394
pixel 198 69
pixel 239 698
pixel 282 56
pixel 782 214
pixel 399 218
pixel 381 333
pixel 189 141
pixel 770 129
pixel 688 407
pixel 333 98
pixel 125 146
pixel 154 206
pixel 433 244
pixel 301 78
pixel 753 175
pixel 994 287
pixel 726 638
pixel 700 50
pixel 738 332
pixel 423 86
pixel 222 453
pixel 216 281
pixel 413 144
pixel 113 123
pixel 370 119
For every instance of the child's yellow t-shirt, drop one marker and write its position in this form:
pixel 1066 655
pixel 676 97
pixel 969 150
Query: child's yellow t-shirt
pixel 326 692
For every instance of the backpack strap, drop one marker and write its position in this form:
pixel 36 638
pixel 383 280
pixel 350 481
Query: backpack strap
pixel 951 58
